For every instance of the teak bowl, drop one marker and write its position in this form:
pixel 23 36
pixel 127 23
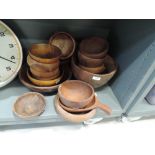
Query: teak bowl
pixel 65 42
pixel 42 89
pixel 72 117
pixel 43 82
pixel 94 45
pixel 89 62
pixel 45 75
pixel 96 80
pixel 45 53
pixel 75 93
pixel 42 67
pixel 93 105
pixel 95 70
pixel 29 105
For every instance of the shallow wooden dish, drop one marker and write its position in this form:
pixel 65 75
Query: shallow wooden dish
pixel 29 105
pixel 95 70
pixel 43 82
pixel 45 53
pixel 49 89
pixel 89 62
pixel 94 45
pixel 96 80
pixel 75 93
pixel 71 117
pixel 42 67
pixel 65 42
pixel 45 75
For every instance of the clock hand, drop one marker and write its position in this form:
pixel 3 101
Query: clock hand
pixel 7 59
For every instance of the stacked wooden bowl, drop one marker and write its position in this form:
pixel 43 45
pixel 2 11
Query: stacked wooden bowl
pixel 76 101
pixel 43 61
pixel 92 64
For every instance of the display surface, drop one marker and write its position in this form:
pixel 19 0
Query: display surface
pixel 11 55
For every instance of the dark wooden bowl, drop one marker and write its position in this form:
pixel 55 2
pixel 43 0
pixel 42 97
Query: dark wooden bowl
pixel 75 93
pixel 65 42
pixel 89 62
pixel 45 53
pixel 29 105
pixel 96 80
pixel 94 45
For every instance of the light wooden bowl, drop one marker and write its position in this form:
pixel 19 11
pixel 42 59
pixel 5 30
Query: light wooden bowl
pixel 45 53
pixel 71 117
pixel 42 67
pixel 65 42
pixel 29 105
pixel 43 82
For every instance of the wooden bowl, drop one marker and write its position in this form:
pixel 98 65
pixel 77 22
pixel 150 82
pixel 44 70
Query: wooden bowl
pixel 96 80
pixel 43 89
pixel 65 42
pixel 45 53
pixel 71 117
pixel 29 105
pixel 42 67
pixel 89 62
pixel 94 45
pixel 95 70
pixel 45 75
pixel 43 82
pixel 75 93
pixel 93 105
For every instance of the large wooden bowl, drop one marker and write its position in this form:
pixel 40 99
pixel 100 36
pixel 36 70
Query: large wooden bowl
pixel 45 53
pixel 65 42
pixel 45 89
pixel 29 105
pixel 96 80
pixel 72 117
pixel 75 93
pixel 42 67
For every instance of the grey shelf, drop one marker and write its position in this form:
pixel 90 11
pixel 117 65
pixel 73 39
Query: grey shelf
pixel 10 93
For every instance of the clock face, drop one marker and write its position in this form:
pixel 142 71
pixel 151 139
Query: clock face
pixel 10 55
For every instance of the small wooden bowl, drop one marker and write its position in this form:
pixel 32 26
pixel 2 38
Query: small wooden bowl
pixel 89 62
pixel 96 80
pixel 42 67
pixel 45 75
pixel 65 42
pixel 75 93
pixel 29 105
pixel 45 53
pixel 93 105
pixel 43 82
pixel 95 70
pixel 71 117
pixel 94 45
pixel 43 89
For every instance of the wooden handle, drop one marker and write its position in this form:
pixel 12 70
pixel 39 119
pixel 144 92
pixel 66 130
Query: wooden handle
pixel 104 107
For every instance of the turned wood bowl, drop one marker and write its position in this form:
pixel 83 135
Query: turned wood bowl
pixel 73 117
pixel 89 62
pixel 95 70
pixel 43 82
pixel 75 93
pixel 45 53
pixel 43 89
pixel 65 42
pixel 94 45
pixel 42 67
pixel 93 105
pixel 29 105
pixel 45 75
pixel 96 80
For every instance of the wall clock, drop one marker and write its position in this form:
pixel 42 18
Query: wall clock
pixel 11 55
